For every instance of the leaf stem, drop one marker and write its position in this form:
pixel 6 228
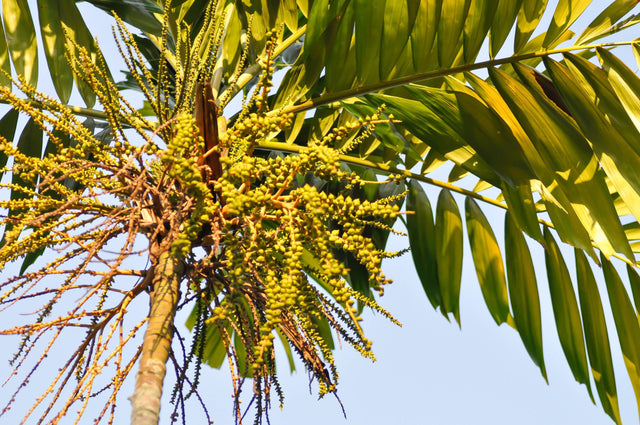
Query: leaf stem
pixel 78 110
pixel 384 168
pixel 422 76
pixel 285 147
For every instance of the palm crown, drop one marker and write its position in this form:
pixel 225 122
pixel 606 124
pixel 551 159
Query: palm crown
pixel 547 128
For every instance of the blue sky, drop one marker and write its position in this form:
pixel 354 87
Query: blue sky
pixel 427 372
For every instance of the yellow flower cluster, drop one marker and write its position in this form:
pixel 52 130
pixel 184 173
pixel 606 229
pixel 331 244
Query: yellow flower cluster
pixel 190 190
pixel 273 232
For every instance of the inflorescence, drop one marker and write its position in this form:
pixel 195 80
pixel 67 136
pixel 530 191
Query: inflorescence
pixel 263 249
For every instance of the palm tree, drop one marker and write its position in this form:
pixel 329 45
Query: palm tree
pixel 547 132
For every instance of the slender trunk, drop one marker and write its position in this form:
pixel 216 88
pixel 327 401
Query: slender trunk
pixel 157 339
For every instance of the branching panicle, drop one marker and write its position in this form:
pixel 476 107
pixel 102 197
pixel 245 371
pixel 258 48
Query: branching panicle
pixel 260 251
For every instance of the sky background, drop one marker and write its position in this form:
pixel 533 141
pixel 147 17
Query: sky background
pixel 427 372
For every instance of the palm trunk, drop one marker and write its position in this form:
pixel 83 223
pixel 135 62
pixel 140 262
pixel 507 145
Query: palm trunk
pixel 157 339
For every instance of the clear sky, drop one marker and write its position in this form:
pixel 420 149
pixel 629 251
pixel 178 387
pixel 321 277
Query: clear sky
pixel 427 372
